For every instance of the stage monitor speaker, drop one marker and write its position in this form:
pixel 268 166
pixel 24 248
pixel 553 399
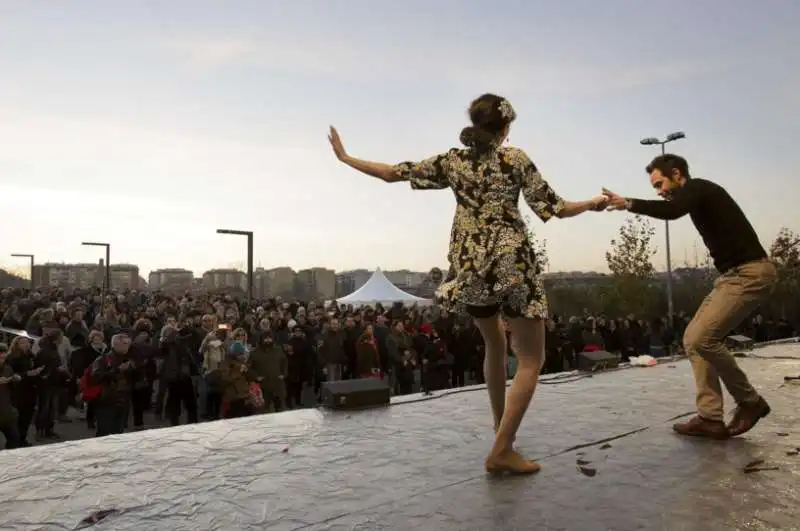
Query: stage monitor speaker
pixel 355 394
pixel 596 361
pixel 739 343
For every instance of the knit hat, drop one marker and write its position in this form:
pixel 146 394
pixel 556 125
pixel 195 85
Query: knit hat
pixel 237 349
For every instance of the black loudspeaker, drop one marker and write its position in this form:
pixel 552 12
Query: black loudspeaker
pixel 739 343
pixel 355 394
pixel 596 361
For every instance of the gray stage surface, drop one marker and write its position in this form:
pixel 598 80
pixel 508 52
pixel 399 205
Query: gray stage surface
pixel 419 466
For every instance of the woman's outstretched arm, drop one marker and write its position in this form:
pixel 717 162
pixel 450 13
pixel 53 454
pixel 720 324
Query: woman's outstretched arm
pixel 574 208
pixel 384 172
pixel 544 201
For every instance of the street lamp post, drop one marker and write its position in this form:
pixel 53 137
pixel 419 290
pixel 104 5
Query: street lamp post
pixel 30 256
pixel 107 277
pixel 249 235
pixel 652 141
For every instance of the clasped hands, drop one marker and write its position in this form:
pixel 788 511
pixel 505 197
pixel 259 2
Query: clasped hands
pixel 609 201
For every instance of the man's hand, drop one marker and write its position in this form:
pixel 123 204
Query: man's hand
pixel 615 201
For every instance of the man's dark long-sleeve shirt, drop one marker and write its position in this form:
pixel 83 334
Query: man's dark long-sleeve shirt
pixel 728 235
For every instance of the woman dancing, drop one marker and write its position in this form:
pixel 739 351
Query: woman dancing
pixel 493 268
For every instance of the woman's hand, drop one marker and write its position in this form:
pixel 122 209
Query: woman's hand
pixel 384 172
pixel 336 144
pixel 599 203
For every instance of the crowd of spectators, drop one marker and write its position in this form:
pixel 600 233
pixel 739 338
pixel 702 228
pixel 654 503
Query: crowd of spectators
pixel 199 357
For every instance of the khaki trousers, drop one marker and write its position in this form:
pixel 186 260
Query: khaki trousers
pixel 736 295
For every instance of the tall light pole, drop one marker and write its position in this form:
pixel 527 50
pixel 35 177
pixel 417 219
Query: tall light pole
pixel 20 255
pixel 107 277
pixel 249 235
pixel 652 141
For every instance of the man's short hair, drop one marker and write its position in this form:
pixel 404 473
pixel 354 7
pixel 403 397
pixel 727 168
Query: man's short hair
pixel 667 164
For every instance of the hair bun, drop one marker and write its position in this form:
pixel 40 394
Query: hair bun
pixel 469 136
pixel 478 138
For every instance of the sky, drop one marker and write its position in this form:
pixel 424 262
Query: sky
pixel 151 124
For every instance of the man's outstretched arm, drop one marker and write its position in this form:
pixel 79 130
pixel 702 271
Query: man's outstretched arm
pixel 679 206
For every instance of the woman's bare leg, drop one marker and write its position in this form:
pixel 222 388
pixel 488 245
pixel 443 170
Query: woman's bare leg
pixel 494 364
pixel 527 341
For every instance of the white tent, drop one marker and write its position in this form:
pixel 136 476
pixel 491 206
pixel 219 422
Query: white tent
pixel 379 289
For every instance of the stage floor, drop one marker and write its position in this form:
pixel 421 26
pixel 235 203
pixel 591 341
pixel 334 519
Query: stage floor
pixel 610 462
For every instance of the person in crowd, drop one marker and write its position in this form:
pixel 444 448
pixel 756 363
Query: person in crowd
pixel 177 371
pixel 554 346
pixel 591 337
pixel 369 362
pixel 402 355
pixel 304 355
pixel 113 372
pixel 24 391
pixel 236 382
pixel 611 337
pixel 381 332
pixel 213 351
pixel 294 378
pixel 332 353
pixel 352 333
pixel 82 359
pixel 143 354
pixel 52 378
pixel 268 367
pixel 9 426
pixel 459 348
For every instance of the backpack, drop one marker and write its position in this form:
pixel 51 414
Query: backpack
pixel 91 392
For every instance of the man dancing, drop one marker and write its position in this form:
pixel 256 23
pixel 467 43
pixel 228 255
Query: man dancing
pixel 746 279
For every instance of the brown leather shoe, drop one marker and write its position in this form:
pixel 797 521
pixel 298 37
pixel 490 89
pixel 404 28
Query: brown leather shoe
pixel 698 426
pixel 747 415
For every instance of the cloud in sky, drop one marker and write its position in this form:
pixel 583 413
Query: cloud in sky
pixel 82 143
pixel 213 53
pixel 322 56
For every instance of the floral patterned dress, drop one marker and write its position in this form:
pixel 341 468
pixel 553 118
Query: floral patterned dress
pixel 492 263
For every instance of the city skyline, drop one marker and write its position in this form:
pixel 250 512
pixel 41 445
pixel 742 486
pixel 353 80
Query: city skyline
pixel 171 121
pixel 95 271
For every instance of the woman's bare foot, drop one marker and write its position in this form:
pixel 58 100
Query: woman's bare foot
pixel 511 462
